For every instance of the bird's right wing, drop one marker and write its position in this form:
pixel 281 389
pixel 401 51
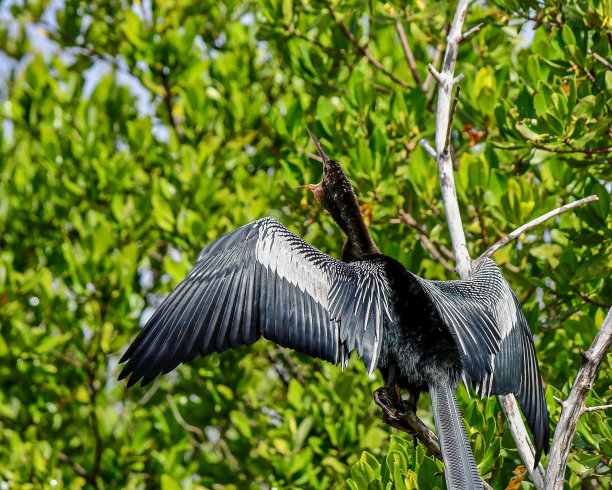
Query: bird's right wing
pixel 263 280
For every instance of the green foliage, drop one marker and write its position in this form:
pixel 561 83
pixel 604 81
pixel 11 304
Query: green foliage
pixel 106 200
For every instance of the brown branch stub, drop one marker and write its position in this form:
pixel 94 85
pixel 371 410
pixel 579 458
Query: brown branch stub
pixel 452 116
pixel 533 223
pixel 574 405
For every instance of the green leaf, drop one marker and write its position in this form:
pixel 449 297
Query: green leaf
pixel 567 35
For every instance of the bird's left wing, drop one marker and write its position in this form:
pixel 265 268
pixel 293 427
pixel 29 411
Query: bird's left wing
pixel 487 321
pixel 263 280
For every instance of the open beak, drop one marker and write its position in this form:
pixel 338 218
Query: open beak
pixel 312 187
pixel 319 149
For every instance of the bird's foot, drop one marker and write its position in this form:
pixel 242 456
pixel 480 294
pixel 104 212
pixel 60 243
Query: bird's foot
pixel 395 409
pixel 388 400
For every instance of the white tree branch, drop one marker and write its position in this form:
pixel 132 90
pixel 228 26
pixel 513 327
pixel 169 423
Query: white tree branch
pixel 574 406
pixel 446 81
pixel 597 409
pixel 522 229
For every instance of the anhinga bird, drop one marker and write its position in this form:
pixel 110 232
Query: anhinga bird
pixel 263 280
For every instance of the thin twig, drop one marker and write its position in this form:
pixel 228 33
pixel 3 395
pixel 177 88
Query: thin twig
pixel 408 52
pixel 77 467
pixel 470 32
pixel 522 229
pixel 436 60
pixel 452 116
pixel 586 151
pixel 365 51
pixel 410 221
pixel 602 60
pixel 179 418
pixel 588 299
pixel 434 73
pixel 148 395
pixel 574 405
pixel 294 32
pixel 598 408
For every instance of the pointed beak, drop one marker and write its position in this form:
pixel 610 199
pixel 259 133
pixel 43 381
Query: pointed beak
pixel 310 187
pixel 319 149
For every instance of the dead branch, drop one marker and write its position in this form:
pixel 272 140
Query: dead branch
pixel 446 81
pixel 574 406
pixel 533 223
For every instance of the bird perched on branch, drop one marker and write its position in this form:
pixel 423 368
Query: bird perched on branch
pixel 262 280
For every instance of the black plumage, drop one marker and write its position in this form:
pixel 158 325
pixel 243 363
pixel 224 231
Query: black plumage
pixel 263 280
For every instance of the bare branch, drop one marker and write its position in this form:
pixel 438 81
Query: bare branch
pixel 452 115
pixel 586 151
pixel 428 147
pixel 435 73
pixel 179 418
pixel 470 32
pixel 446 81
pixel 522 229
pixel 588 299
pixel 521 438
pixel 408 53
pixel 598 408
pixel 574 406
pixel 603 61
pixel 365 51
pixel 435 62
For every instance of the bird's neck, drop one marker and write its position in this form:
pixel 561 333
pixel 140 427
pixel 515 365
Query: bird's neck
pixel 359 241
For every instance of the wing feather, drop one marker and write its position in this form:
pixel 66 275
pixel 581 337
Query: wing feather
pixel 263 280
pixel 485 317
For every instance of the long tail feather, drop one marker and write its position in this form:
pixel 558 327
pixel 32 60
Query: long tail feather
pixel 459 467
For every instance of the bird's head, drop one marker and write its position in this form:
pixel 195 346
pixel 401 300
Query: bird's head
pixel 334 191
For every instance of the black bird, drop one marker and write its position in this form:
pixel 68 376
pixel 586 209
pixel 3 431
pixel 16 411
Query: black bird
pixel 263 280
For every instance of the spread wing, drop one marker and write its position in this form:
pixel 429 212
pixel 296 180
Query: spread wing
pixel 263 280
pixel 488 323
